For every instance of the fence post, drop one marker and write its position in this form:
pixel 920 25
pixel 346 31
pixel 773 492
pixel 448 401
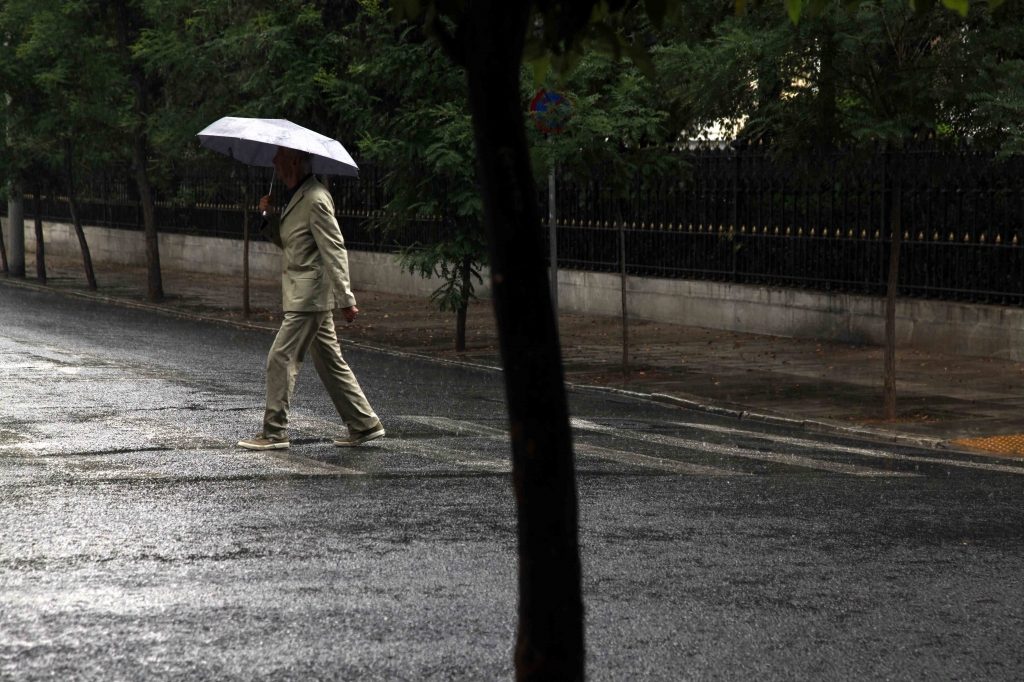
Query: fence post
pixel 625 313
pixel 734 212
pixel 245 263
pixel 245 244
pixel 553 232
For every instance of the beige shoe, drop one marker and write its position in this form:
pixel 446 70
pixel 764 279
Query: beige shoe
pixel 261 442
pixel 359 437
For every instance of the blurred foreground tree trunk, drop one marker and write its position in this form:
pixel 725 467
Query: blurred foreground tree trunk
pixel 550 635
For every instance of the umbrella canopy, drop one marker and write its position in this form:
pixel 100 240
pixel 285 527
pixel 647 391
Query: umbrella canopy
pixel 254 141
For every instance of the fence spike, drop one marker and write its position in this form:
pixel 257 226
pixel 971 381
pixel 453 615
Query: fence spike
pixel 1015 240
pixel 951 237
pixel 999 239
pixel 967 237
pixel 982 238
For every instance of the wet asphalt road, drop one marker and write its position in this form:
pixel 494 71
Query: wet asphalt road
pixel 138 543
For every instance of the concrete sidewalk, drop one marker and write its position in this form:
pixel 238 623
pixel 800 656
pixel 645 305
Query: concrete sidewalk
pixel 944 401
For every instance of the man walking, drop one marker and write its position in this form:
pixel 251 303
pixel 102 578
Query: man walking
pixel 314 281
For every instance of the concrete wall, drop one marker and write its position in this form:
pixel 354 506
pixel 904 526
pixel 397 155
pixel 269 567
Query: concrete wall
pixel 963 329
pixel 978 330
pixel 371 271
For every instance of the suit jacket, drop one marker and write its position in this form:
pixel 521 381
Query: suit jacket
pixel 314 275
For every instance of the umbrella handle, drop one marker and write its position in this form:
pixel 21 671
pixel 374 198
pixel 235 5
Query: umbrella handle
pixel 269 189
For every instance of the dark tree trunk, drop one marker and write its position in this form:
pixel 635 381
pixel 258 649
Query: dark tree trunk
pixel 69 171
pixel 140 153
pixel 462 312
pixel 550 642
pixel 3 254
pixel 37 207
pixel 154 278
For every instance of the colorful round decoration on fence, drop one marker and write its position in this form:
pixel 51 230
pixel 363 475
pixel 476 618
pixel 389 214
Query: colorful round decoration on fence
pixel 551 111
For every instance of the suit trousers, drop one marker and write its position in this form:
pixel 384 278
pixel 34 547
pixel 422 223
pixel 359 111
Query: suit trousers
pixel 313 332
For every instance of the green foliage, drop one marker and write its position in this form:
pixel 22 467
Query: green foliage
pixel 849 73
pixel 65 83
pixel 619 124
pixel 455 261
pixel 415 123
pixel 798 9
pixel 640 76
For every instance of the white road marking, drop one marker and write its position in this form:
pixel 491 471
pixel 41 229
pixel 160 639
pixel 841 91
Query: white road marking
pixel 647 462
pixel 459 427
pixel 304 465
pixel 864 452
pixel 581 449
pixel 449 455
pixel 732 451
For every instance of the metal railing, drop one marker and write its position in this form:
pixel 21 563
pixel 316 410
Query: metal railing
pixel 817 222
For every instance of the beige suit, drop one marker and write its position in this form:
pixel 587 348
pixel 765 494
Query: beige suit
pixel 314 281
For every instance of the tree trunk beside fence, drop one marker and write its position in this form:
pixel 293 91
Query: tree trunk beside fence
pixel 69 171
pixel 3 253
pixel 463 310
pixel 37 208
pixel 16 230
pixel 154 278
pixel 127 29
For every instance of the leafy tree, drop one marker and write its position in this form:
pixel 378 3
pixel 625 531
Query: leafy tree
pixel 62 91
pixel 129 21
pixel 847 73
pixel 415 124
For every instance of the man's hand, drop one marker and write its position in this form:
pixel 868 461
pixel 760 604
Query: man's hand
pixel 265 204
pixel 350 313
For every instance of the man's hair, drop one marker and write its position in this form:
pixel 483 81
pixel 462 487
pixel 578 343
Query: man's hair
pixel 305 161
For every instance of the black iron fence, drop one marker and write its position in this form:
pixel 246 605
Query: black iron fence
pixel 819 222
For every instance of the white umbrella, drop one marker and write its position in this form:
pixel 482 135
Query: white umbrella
pixel 254 141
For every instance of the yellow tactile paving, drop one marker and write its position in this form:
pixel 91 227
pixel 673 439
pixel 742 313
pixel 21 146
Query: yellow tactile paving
pixel 1007 444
